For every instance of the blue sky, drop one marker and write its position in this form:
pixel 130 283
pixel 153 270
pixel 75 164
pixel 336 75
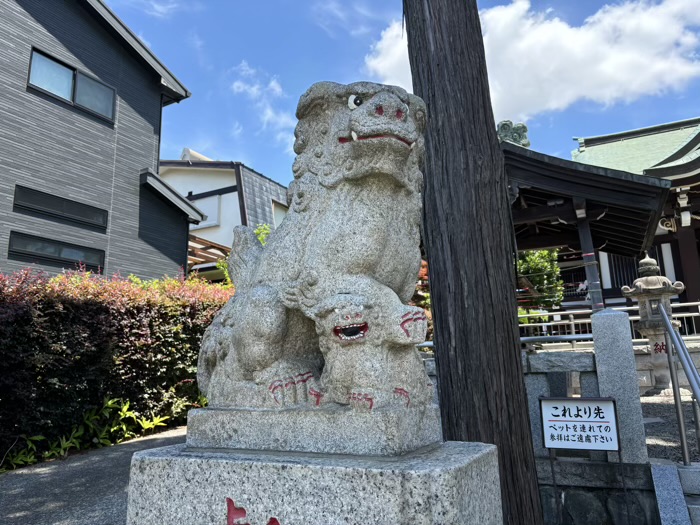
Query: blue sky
pixel 566 68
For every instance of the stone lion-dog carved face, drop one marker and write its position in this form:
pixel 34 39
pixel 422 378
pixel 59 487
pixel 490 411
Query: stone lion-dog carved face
pixel 351 131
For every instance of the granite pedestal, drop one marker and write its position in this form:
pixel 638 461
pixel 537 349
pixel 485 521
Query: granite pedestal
pixel 338 430
pixel 448 484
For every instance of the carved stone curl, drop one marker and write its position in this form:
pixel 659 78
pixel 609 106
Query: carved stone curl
pixel 319 316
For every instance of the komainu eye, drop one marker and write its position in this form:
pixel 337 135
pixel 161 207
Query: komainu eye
pixel 354 101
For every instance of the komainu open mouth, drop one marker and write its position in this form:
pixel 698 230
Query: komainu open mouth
pixel 354 137
pixel 351 332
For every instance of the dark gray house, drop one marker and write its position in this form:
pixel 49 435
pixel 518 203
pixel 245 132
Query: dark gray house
pixel 80 114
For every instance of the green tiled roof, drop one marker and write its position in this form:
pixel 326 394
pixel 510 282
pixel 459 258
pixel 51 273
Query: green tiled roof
pixel 637 150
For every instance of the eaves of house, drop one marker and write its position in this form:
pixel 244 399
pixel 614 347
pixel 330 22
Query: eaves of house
pixel 173 89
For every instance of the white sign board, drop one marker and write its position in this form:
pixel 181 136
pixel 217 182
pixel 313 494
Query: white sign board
pixel 579 423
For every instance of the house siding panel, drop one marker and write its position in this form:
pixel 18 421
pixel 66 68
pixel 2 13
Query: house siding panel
pixel 259 192
pixel 51 146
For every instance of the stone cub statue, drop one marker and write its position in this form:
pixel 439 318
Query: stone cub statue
pixel 369 360
pixel 348 247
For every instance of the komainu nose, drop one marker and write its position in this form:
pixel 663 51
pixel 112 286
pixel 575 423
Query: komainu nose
pixel 388 106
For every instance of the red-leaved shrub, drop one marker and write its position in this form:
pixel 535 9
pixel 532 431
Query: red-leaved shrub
pixel 67 342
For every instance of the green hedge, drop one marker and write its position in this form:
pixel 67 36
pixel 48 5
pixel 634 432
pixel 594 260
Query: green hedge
pixel 70 342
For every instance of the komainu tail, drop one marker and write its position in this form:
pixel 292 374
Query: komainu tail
pixel 244 256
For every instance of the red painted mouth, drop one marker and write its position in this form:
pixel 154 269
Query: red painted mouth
pixel 344 140
pixel 351 332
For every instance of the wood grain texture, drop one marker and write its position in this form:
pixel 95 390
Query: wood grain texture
pixel 469 240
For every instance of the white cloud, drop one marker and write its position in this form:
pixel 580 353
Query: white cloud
pixel 286 140
pixel 147 43
pixel 539 63
pixel 244 69
pixel 274 88
pixel 252 89
pixel 160 8
pixel 388 58
pixel 275 118
pixel 197 44
pixel 266 93
pixel 236 129
pixel 355 18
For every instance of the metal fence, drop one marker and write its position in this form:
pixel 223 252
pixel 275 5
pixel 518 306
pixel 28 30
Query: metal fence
pixel 578 322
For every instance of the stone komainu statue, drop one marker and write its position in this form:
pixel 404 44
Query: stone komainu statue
pixel 319 315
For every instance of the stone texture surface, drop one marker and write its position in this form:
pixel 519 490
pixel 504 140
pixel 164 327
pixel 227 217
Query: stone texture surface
pixel 591 492
pixel 690 479
pixel 594 474
pixel 693 509
pixel 570 506
pixel 568 361
pixel 669 495
pixel 448 484
pixel 341 431
pixel 536 386
pixel 588 383
pixel 649 287
pixel 617 378
pixel 319 316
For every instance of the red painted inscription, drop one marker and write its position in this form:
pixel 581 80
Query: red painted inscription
pixel 238 513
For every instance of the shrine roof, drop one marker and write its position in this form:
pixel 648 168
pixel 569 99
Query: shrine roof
pixel 638 150
pixel 623 208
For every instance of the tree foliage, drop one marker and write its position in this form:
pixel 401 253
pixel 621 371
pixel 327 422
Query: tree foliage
pixel 540 269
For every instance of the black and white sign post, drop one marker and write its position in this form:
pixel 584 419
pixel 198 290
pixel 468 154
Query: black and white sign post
pixel 580 423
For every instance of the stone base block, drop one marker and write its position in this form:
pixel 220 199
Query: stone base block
pixel 453 483
pixel 332 431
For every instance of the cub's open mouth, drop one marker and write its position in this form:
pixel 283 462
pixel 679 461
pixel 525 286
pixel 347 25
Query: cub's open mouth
pixel 351 332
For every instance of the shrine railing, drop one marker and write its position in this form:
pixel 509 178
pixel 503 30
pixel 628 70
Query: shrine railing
pixel 553 325
pixel 691 372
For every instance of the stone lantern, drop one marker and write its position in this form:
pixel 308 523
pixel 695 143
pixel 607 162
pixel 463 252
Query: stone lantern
pixel 653 291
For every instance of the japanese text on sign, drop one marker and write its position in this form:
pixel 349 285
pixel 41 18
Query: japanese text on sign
pixel 579 423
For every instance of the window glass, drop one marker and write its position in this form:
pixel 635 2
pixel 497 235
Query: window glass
pixel 40 249
pixel 34 245
pixel 51 76
pixel 94 96
pixel 74 253
pixel 54 206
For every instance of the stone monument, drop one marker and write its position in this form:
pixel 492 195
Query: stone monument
pixel 320 410
pixel 651 286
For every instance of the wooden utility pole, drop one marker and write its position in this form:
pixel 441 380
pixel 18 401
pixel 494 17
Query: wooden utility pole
pixel 470 246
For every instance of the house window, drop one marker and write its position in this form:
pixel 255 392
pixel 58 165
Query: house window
pixel 51 206
pixel 75 87
pixel 37 249
pixel 279 212
pixel 51 76
pixel 95 96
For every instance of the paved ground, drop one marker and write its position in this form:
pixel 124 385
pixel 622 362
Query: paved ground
pixel 662 428
pixel 88 488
